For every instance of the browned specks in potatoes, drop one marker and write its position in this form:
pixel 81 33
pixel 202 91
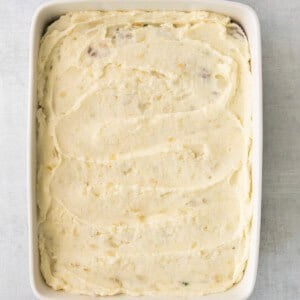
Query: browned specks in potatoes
pixel 128 35
pixel 124 34
pixel 204 73
pixel 91 51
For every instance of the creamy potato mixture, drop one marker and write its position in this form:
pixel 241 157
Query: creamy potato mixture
pixel 144 139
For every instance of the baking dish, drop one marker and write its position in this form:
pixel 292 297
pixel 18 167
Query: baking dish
pixel 240 13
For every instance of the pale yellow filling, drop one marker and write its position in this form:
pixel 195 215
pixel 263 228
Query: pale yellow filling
pixel 144 134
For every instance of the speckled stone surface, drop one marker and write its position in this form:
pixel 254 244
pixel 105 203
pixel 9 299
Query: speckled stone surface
pixel 279 266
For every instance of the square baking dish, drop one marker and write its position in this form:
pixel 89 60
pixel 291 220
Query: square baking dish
pixel 242 14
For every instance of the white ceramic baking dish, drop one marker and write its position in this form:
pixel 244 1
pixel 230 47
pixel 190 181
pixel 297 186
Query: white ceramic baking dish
pixel 240 13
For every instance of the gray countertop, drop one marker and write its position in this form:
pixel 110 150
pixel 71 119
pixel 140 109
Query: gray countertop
pixel 279 265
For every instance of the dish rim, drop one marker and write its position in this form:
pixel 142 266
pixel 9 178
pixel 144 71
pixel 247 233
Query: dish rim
pixel 247 15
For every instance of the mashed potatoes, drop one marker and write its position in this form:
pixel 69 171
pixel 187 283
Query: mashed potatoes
pixel 144 134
